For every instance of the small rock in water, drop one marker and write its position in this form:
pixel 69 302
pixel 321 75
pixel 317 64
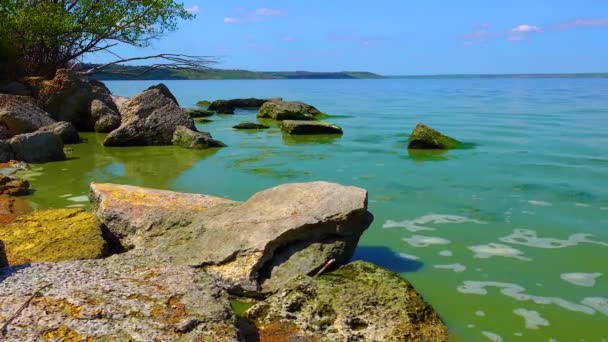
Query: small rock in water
pixel 288 110
pixel 299 127
pixel 185 137
pixel 199 113
pixel 13 186
pixel 249 125
pixel 424 137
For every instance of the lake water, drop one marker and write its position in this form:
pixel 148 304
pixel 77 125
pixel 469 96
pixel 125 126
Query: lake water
pixel 507 239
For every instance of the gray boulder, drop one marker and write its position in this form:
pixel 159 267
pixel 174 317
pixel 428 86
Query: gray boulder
pixel 250 125
pixel 278 233
pixel 149 118
pixel 287 110
pixel 106 119
pixel 21 114
pixel 357 302
pixel 37 147
pixel 65 130
pixel 228 106
pixel 188 138
pixel 424 137
pixel 298 127
pixel 114 299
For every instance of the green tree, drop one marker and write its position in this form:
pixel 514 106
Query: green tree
pixel 45 35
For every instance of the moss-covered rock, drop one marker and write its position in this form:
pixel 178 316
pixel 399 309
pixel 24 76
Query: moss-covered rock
pixel 53 235
pixel 228 106
pixel 188 138
pixel 203 104
pixel 358 302
pixel 199 113
pixel 13 186
pixel 424 137
pixel 250 125
pixel 288 110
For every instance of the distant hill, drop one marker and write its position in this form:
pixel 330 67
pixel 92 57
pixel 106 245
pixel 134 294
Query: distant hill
pixel 579 75
pixel 224 74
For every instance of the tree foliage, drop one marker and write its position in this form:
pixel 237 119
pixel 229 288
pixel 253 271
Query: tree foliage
pixel 44 35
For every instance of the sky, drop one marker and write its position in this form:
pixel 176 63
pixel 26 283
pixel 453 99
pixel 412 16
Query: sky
pixel 393 37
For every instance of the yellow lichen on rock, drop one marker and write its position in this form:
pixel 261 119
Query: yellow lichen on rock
pixel 64 334
pixel 53 235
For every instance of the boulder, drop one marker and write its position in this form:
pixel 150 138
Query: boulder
pixel 188 138
pixel 106 119
pixel 6 153
pixel 21 114
pixel 203 104
pixel 53 235
pixel 199 113
pixel 424 137
pixel 130 212
pixel 250 125
pixel 228 106
pixel 280 232
pixel 114 299
pixel 120 100
pixel 37 147
pixel 65 130
pixel 150 118
pixel 299 127
pixel 358 302
pixel 288 110
pixel 68 97
pixel 13 186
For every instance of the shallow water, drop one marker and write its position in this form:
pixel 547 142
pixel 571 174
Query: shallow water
pixel 507 238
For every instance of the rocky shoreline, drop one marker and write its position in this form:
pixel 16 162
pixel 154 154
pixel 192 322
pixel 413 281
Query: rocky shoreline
pixel 149 264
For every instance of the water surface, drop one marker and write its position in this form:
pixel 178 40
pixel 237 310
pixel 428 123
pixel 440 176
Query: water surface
pixel 507 239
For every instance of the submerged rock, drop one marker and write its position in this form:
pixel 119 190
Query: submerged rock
pixel 37 147
pixel 287 110
pixel 188 138
pixel 13 186
pixel 296 127
pixel 424 137
pixel 68 97
pixel 114 299
pixel 53 235
pixel 228 106
pixel 278 233
pixel 357 302
pixel 21 114
pixel 65 130
pixel 249 125
pixel 149 118
pixel 199 113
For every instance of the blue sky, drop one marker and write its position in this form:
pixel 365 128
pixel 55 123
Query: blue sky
pixel 394 36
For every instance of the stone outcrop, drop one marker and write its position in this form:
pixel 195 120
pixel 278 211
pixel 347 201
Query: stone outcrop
pixel 250 125
pixel 65 130
pixel 68 97
pixel 199 113
pixel 189 138
pixel 114 299
pixel 297 127
pixel 53 235
pixel 21 114
pixel 105 117
pixel 249 247
pixel 357 302
pixel 131 212
pixel 149 118
pixel 37 147
pixel 228 106
pixel 6 152
pixel 288 110
pixel 13 186
pixel 424 137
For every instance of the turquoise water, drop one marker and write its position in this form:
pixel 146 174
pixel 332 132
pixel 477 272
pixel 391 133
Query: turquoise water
pixel 506 238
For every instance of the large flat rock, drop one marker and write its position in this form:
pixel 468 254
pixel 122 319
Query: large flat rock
pixel 252 247
pixel 115 299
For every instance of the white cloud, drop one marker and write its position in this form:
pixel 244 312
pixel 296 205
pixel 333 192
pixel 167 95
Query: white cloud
pixel 231 20
pixel 524 28
pixel 268 12
pixel 193 9
pixel 254 16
